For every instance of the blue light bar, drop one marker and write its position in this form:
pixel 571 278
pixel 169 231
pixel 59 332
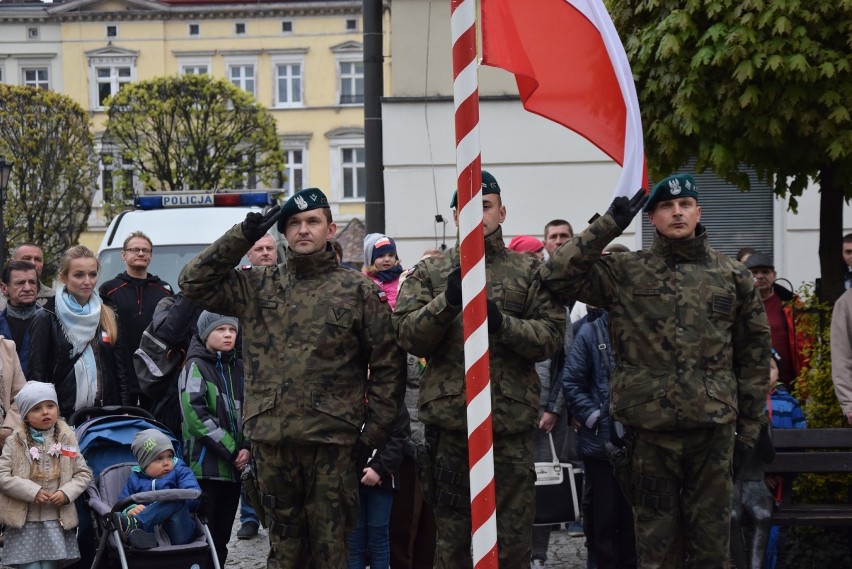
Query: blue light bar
pixel 199 199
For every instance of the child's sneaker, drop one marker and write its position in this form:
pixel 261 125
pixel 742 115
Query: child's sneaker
pixel 128 527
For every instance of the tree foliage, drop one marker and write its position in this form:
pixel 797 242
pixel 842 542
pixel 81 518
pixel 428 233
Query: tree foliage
pixel 193 132
pixel 765 83
pixel 48 138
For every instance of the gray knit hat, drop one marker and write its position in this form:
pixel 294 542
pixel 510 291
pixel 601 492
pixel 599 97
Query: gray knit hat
pixel 376 245
pixel 33 393
pixel 209 321
pixel 148 444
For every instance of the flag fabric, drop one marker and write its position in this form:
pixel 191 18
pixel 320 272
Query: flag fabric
pixel 571 67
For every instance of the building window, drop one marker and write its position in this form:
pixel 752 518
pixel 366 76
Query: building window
pixel 33 33
pixel 354 174
pixel 351 83
pixel 116 176
pixel 36 77
pixel 247 167
pixel 287 27
pixel 294 172
pixel 242 75
pixel 240 28
pixel 194 29
pixel 351 25
pixel 1 76
pixel 194 70
pixel 110 79
pixel 288 84
pixel 112 31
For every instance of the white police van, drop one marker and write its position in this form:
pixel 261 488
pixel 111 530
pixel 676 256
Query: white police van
pixel 180 224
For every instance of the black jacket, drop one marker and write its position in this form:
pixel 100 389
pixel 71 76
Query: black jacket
pixel 387 459
pixel 133 301
pixel 50 361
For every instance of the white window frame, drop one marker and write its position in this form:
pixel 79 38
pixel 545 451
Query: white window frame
pixel 38 82
pixel 106 31
pixel 115 79
pixel 190 65
pixel 189 29
pixel 114 63
pixel 354 27
pixel 236 30
pixel 340 140
pixel 292 27
pixel 291 144
pixel 123 167
pixel 288 59
pixel 33 33
pixel 352 78
pixel 232 62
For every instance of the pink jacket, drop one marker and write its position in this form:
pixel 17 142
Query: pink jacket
pixel 390 288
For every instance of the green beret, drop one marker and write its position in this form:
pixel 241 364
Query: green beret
pixel 677 186
pixel 489 186
pixel 303 200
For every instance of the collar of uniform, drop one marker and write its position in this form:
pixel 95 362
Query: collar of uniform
pixel 306 266
pixel 691 249
pixel 493 244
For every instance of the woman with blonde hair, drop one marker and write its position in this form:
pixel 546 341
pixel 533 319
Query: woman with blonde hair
pixel 71 338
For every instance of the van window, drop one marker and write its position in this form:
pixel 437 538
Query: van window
pixel 167 263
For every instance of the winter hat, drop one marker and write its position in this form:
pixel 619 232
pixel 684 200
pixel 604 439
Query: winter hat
pixel 209 321
pixel 758 259
pixel 376 245
pixel 525 244
pixel 148 444
pixel 33 393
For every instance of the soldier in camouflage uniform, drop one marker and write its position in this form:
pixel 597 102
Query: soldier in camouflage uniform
pixel 311 330
pixel 691 344
pixel 525 324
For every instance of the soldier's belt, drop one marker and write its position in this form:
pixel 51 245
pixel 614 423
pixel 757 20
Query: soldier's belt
pixel 654 485
pixel 445 498
pixel 451 477
pixel 286 530
pixel 270 501
pixel 656 493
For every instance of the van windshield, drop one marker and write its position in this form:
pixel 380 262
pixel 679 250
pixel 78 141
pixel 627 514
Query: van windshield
pixel 167 263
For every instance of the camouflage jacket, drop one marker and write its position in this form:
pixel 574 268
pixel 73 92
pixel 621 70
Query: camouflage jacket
pixel 311 329
pixel 532 327
pixel 689 334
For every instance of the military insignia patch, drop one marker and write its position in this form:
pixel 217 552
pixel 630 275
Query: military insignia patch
pixel 382 296
pixel 300 202
pixel 723 303
pixel 674 186
pixel 646 292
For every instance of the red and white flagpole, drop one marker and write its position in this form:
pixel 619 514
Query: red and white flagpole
pixel 478 386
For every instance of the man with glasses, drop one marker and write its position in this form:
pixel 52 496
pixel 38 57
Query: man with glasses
pixel 133 295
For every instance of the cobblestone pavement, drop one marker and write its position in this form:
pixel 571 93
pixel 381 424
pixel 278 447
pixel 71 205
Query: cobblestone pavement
pixel 564 553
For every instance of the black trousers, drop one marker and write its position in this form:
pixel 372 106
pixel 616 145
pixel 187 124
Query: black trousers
pixel 613 539
pixel 221 500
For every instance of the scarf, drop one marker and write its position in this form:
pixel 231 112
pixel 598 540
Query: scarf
pixel 80 325
pixel 390 274
pixel 21 312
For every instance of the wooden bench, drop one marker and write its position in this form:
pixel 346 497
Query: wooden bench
pixel 810 450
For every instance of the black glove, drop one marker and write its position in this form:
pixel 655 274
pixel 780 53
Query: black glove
pixel 453 292
pixel 256 224
pixel 495 317
pixel 741 452
pixel 623 210
pixel 361 454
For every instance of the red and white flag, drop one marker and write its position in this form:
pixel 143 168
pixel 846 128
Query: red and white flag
pixel 571 68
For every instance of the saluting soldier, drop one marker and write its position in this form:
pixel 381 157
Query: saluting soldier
pixel 525 324
pixel 311 330
pixel 691 344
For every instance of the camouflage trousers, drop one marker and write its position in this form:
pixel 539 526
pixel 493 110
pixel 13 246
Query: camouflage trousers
pixel 682 497
pixel 310 498
pixel 514 480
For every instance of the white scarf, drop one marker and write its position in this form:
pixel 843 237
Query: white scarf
pixel 80 325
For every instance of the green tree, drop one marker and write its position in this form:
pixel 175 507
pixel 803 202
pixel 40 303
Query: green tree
pixel 765 83
pixel 192 132
pixel 48 138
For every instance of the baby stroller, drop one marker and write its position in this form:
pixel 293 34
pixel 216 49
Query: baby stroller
pixel 105 436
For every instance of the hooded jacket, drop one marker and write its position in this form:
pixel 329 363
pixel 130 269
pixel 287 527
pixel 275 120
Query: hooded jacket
pixel 133 301
pixel 211 395
pixel 17 491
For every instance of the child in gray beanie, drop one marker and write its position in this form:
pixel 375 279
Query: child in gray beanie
pixel 158 469
pixel 42 472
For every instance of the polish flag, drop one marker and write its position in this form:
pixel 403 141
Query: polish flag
pixel 571 68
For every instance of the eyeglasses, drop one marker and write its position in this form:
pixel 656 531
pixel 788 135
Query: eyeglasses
pixel 138 251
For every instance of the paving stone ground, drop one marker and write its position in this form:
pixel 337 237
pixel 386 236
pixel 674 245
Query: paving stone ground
pixel 564 552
